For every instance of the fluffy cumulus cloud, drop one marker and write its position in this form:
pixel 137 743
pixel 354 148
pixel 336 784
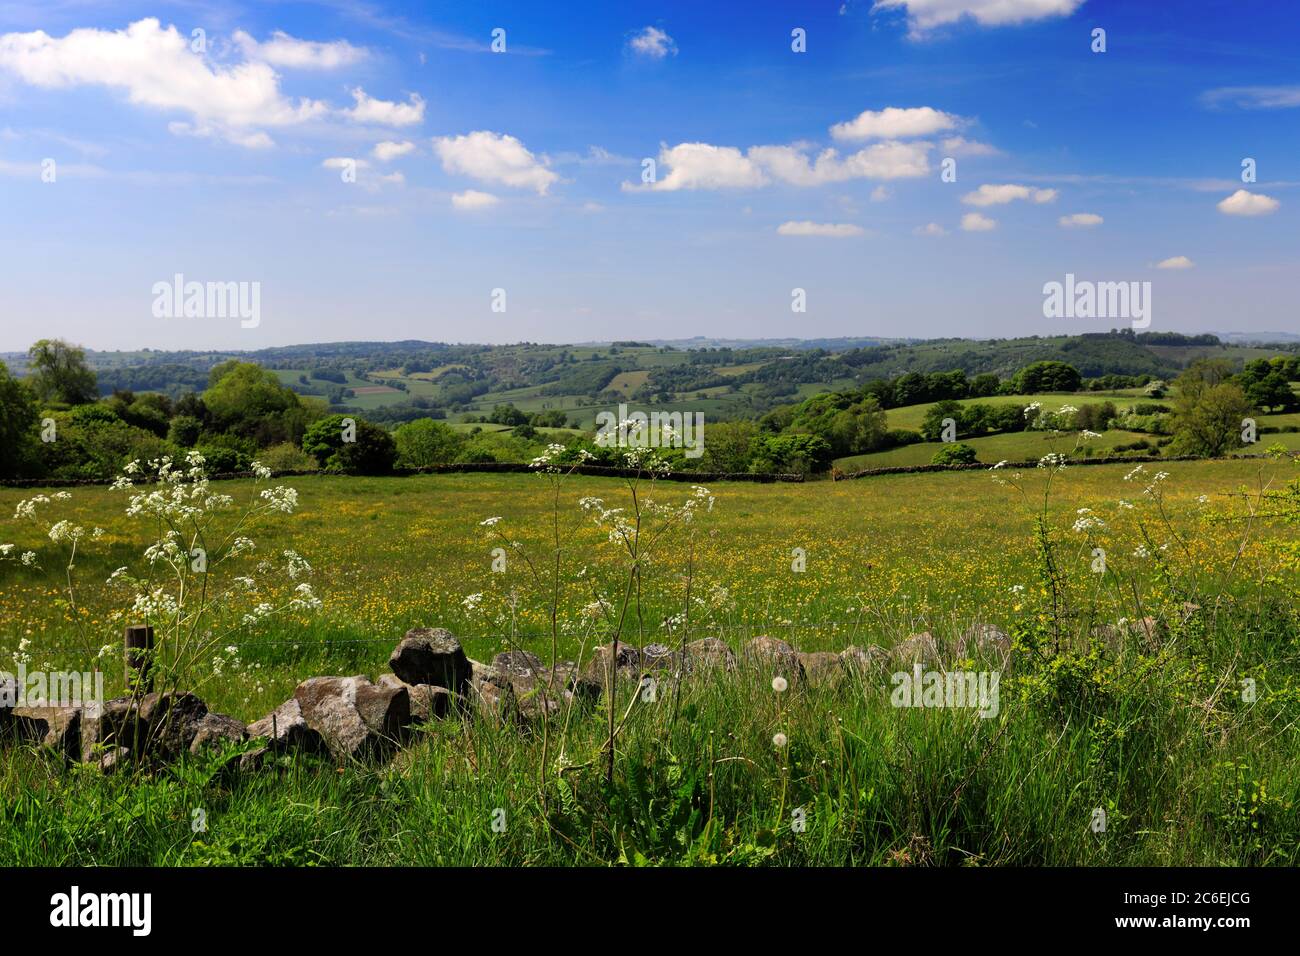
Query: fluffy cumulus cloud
pixel 389 150
pixel 705 166
pixel 894 123
pixel 925 15
pixel 1000 195
pixel 494 158
pixel 155 68
pixel 653 43
pixel 1175 262
pixel 473 199
pixel 1244 203
pixel 833 230
pixel 897 155
pixel 930 229
pixel 385 112
pixel 976 222
pixel 890 160
pixel 1080 220
pixel 292 53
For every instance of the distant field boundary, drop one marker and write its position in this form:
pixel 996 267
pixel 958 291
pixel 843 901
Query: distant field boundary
pixel 601 471
pixel 488 467
pixel 1033 463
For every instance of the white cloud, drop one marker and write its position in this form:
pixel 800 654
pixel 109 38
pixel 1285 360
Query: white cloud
pixel 930 229
pixel 890 160
pixel 975 222
pixel 155 68
pixel 835 230
pixel 923 15
pixel 989 195
pixel 384 112
pixel 1080 219
pixel 343 162
pixel 961 146
pixel 473 199
pixel 1175 262
pixel 494 158
pixel 880 194
pixel 1243 203
pixel 284 50
pixel 389 150
pixel 1253 97
pixel 894 123
pixel 652 42
pixel 703 166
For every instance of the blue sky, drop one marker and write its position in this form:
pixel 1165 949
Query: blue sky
pixel 522 170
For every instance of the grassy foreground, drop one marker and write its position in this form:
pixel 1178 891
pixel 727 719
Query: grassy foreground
pixel 1154 735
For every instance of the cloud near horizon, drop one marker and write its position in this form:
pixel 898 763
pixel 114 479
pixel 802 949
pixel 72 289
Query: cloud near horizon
pixel 834 230
pixel 989 195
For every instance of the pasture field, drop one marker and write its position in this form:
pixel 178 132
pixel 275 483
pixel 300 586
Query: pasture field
pixel 911 416
pixel 991 449
pixel 885 556
pixel 1154 735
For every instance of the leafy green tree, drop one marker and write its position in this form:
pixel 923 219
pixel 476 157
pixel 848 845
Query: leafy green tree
pixel 932 424
pixel 150 411
pixel 425 442
pixel 1272 391
pixel 371 453
pixel 19 418
pixel 728 446
pixel 184 431
pixel 860 428
pixel 93 442
pixel 1048 376
pixel 59 373
pixel 792 453
pixel 507 414
pixel 249 401
pixel 1208 410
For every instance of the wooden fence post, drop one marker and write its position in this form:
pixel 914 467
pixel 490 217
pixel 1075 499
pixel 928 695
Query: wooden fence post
pixel 139 658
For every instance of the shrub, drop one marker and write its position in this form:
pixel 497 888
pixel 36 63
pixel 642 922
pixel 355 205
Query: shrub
pixel 221 459
pixel 91 445
pixel 958 453
pixel 425 442
pixel 371 453
pixel 184 431
pixel 287 457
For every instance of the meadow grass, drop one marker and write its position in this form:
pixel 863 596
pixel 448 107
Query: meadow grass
pixel 1155 734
